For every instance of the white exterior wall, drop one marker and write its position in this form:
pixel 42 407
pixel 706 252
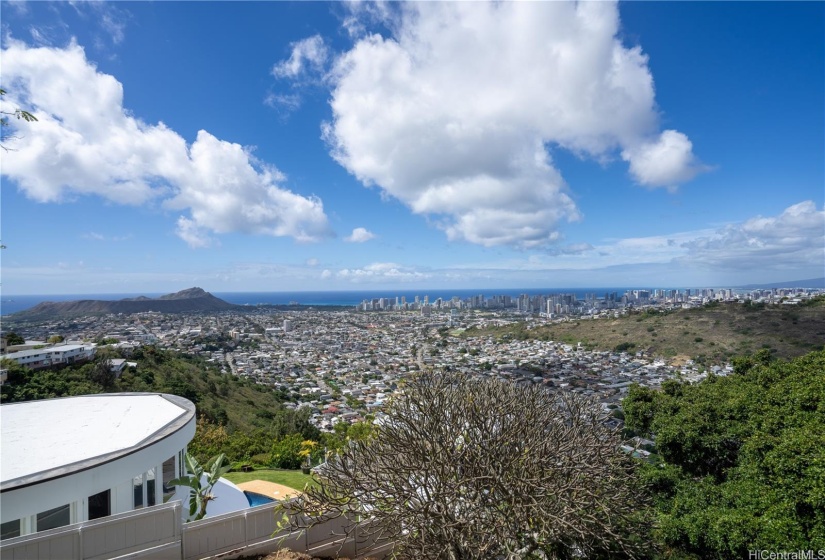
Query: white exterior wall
pixel 26 359
pixel 53 355
pixel 122 498
pixel 23 503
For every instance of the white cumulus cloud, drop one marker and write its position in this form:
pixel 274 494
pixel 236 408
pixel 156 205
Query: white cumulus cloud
pixel 228 190
pixel 359 235
pixel 665 161
pixel 793 240
pixel 308 54
pixel 86 143
pixel 454 113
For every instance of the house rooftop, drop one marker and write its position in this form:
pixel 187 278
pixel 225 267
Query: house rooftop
pixel 52 438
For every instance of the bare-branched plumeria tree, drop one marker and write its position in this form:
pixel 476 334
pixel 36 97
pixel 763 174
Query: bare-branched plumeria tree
pixel 482 468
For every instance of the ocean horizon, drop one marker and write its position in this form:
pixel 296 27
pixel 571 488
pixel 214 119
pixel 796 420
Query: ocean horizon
pixel 13 303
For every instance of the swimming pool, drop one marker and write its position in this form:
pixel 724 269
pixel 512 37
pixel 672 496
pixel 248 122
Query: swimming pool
pixel 256 499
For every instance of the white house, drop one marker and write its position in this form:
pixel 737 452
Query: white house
pixel 53 355
pixel 117 365
pixel 79 458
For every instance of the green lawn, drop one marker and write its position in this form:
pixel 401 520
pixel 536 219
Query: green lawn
pixel 293 479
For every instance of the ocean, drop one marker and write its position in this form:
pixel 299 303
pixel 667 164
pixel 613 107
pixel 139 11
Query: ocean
pixel 12 304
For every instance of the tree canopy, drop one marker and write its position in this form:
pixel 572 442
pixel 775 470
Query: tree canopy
pixel 469 468
pixel 12 338
pixel 741 461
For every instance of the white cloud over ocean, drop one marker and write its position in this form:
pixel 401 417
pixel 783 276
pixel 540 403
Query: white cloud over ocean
pixel 789 243
pixel 793 239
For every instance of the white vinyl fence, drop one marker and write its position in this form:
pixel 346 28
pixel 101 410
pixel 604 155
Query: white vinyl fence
pixel 145 533
pixel 157 533
pixel 254 530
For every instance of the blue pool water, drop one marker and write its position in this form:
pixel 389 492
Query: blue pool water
pixel 256 499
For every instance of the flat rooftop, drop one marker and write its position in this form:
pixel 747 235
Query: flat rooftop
pixel 46 350
pixel 46 439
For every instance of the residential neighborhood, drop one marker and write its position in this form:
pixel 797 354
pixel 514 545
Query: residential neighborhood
pixel 345 364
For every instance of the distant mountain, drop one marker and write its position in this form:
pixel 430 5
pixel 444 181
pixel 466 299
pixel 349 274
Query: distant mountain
pixel 190 300
pixel 191 293
pixel 810 283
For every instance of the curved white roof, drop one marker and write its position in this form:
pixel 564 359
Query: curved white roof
pixel 46 439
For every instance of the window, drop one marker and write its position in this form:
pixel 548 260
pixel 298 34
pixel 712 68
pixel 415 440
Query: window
pixel 168 475
pixel 150 487
pixel 10 529
pixel 143 487
pixel 57 517
pixel 137 490
pixel 100 505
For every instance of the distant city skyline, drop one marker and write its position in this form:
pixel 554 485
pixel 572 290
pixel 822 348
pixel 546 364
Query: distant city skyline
pixel 13 303
pixel 277 146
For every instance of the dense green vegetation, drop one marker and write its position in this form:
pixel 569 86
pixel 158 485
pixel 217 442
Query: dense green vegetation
pixel 246 421
pixel 236 416
pixel 222 399
pixel 288 444
pixel 13 338
pixel 741 459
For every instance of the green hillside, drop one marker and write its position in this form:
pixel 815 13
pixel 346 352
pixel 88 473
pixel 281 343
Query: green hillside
pixel 240 405
pixel 713 333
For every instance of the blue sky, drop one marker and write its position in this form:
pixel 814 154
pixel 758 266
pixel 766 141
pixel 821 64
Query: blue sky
pixel 257 146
